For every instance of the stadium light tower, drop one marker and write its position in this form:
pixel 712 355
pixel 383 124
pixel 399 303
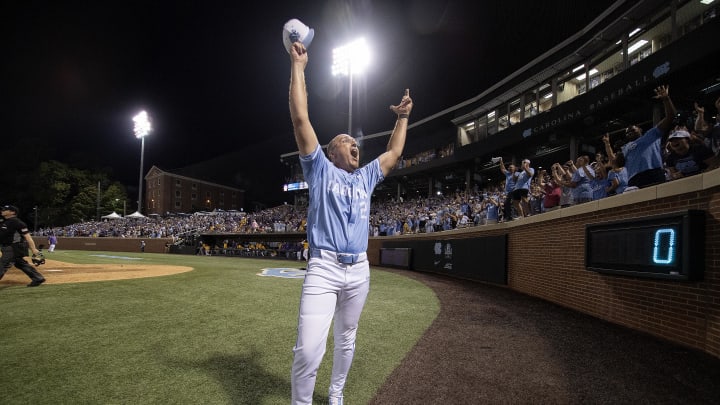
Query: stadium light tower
pixel 349 60
pixel 141 130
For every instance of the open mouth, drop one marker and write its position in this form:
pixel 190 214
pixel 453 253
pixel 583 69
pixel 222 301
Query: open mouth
pixel 354 153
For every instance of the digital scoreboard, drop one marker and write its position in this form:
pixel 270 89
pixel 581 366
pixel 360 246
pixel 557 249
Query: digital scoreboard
pixel 295 186
pixel 670 246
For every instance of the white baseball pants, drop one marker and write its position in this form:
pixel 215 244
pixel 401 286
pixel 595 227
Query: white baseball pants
pixel 331 289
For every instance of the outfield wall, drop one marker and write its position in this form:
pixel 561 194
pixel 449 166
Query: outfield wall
pixel 545 258
pixel 155 245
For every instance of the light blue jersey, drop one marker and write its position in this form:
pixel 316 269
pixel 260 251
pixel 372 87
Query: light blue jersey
pixel 622 179
pixel 492 212
pixel 510 181
pixel 583 189
pixel 339 211
pixel 643 153
pixel 523 179
pixel 599 187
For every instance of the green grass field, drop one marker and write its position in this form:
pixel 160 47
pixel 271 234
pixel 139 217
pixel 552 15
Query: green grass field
pixel 219 334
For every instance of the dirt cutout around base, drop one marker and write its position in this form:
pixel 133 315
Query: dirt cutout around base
pixel 57 272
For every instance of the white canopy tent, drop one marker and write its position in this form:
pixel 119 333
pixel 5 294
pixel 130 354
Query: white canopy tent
pixel 135 214
pixel 114 215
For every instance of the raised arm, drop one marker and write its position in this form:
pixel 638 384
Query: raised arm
pixel 608 148
pixel 526 168
pixel 503 169
pixel 666 124
pixel 590 175
pixel 304 133
pixel 557 176
pixel 700 125
pixel 396 144
pixel 571 167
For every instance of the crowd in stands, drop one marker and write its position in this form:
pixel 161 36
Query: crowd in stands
pixel 629 163
pixel 283 218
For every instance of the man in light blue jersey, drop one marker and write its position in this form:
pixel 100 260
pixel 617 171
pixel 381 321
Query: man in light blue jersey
pixel 338 273
pixel 521 192
pixel 511 175
pixel 643 152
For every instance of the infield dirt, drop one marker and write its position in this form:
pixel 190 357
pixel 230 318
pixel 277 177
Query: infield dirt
pixel 56 272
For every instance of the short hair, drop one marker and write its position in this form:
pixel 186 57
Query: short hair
pixel 333 142
pixel 619 159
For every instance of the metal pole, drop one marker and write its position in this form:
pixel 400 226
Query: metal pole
pixel 97 208
pixel 140 182
pixel 350 103
pixel 36 215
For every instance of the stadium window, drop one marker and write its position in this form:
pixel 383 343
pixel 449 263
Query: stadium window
pixel 545 97
pixel 178 194
pixel 467 133
pixel 503 120
pixel 581 81
pixel 610 64
pixel 694 14
pixel 492 123
pixel 569 86
pixel 178 183
pixel 482 128
pixel 659 33
pixel 639 50
pixel 531 103
pixel 514 111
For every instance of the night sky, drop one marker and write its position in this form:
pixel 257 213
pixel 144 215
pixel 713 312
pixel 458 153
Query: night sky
pixel 214 75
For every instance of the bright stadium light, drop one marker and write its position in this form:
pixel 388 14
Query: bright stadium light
pixel 349 60
pixel 142 129
pixel 352 58
pixel 142 124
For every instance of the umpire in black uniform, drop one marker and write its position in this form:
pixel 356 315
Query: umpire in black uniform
pixel 15 240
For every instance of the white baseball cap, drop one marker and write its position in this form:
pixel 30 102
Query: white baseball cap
pixel 679 134
pixel 295 31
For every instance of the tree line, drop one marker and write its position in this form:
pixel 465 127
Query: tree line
pixel 55 194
